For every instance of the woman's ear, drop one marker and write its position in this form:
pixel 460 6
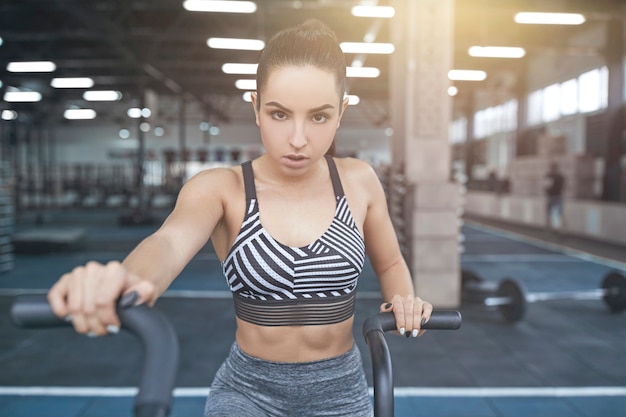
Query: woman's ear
pixel 254 100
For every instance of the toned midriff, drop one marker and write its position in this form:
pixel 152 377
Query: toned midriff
pixel 295 343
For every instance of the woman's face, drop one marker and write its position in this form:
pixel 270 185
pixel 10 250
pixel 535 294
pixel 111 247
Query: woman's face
pixel 299 112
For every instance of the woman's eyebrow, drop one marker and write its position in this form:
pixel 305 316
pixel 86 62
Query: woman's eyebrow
pixel 286 110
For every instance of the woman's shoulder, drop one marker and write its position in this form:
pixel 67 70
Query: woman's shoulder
pixel 355 169
pixel 215 179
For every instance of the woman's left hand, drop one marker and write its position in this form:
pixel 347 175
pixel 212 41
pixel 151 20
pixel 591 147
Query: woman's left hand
pixel 410 311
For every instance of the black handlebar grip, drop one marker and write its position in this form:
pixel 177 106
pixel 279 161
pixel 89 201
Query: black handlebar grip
pixel 155 332
pixel 439 320
pixel 33 311
pixel 373 331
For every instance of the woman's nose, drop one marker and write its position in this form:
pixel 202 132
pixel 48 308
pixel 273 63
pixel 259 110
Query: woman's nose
pixel 298 136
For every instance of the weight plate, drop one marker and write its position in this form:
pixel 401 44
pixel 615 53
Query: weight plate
pixel 515 309
pixel 615 285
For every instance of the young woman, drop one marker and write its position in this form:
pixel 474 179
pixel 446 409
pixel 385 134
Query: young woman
pixel 291 228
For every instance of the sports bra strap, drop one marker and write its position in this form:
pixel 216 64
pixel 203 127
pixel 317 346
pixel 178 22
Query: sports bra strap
pixel 334 176
pixel 248 180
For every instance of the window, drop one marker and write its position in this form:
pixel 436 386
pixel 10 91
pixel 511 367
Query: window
pixel 589 91
pixel 551 109
pixel 569 97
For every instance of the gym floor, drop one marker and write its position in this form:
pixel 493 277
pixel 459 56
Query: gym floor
pixel 564 358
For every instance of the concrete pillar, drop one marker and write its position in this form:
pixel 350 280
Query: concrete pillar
pixel 614 55
pixel 422 32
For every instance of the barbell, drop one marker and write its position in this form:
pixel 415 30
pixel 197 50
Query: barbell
pixel 511 298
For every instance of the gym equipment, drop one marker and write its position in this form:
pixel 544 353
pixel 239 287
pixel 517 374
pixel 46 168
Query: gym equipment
pixel 160 343
pixel 157 336
pixel 373 331
pixel 511 298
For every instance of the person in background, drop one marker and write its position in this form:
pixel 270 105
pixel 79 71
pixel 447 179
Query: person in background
pixel 292 229
pixel 554 186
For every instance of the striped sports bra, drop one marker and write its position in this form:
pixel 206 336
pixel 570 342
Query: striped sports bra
pixel 278 285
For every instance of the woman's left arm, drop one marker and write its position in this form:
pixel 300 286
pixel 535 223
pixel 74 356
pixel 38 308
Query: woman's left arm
pixel 388 262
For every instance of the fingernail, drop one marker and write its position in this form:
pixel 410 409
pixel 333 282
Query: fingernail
pixel 408 335
pixel 113 329
pixel 424 321
pixel 414 333
pixel 129 300
pixel 91 334
pixel 402 331
pixel 388 306
pixel 68 318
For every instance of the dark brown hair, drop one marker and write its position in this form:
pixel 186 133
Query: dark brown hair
pixel 310 43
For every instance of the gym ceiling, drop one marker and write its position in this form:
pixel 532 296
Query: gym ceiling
pixel 133 45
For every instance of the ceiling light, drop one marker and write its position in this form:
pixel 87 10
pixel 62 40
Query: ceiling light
pixel 104 95
pixel 496 51
pixel 353 100
pixel 245 84
pixel 238 44
pixel 79 114
pixel 124 133
pixel 220 6
pixel 136 112
pixel 373 11
pixel 9 115
pixel 247 96
pixel 362 72
pixel 144 127
pixel 22 96
pixel 549 18
pixel 159 131
pixel 467 75
pixel 1 41
pixel 453 91
pixel 241 69
pixel 76 82
pixel 31 66
pixel 367 48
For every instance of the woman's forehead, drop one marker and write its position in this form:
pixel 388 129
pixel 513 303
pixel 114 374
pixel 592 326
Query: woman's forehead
pixel 299 81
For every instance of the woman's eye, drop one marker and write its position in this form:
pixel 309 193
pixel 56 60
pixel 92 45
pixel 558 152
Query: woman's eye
pixel 279 115
pixel 320 118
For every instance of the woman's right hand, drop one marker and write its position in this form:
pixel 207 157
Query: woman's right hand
pixel 88 295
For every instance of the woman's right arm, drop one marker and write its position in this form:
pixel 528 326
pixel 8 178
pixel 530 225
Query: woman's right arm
pixel 88 293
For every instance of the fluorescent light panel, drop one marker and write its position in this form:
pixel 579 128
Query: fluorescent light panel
pixel 245 84
pixel 367 48
pixel 362 72
pixel 136 112
pixel 237 44
pixel 549 18
pixel 220 6
pixel 239 69
pixel 496 51
pixel 22 96
pixel 373 11
pixel 31 66
pixel 467 75
pixel 79 114
pixel 72 82
pixel 8 115
pixel 103 95
pixel 353 100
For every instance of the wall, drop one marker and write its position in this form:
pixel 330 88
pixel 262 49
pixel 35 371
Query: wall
pixel 599 220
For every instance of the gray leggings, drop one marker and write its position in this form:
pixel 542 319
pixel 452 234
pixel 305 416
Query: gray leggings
pixel 246 386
